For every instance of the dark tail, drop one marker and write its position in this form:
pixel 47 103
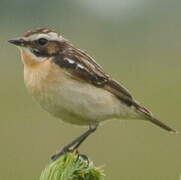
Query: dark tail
pixel 148 115
pixel 161 124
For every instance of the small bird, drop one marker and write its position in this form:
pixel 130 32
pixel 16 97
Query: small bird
pixel 70 85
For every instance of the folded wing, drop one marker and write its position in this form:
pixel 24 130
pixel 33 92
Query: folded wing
pixel 84 68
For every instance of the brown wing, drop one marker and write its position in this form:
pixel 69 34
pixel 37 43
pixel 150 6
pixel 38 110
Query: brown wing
pixel 82 66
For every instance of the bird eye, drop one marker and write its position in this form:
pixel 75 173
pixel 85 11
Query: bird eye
pixel 42 41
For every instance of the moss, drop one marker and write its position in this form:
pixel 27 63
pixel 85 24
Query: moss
pixel 70 166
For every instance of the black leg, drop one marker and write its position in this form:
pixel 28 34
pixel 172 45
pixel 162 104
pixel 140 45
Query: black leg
pixel 72 146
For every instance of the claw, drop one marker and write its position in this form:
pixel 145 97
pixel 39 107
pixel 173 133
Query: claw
pixel 84 157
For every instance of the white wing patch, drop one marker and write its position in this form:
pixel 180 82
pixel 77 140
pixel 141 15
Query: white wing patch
pixel 75 64
pixel 69 60
pixel 80 66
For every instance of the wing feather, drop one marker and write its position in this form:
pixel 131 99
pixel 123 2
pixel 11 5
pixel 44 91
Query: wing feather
pixel 83 67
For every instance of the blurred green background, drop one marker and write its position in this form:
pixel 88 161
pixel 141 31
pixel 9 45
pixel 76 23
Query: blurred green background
pixel 136 41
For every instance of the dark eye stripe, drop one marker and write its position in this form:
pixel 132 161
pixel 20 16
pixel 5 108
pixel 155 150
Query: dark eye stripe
pixel 39 53
pixel 35 52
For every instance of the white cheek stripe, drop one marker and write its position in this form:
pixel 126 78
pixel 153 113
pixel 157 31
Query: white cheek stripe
pixel 35 58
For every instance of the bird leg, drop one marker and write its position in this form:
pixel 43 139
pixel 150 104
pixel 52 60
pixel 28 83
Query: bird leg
pixel 73 145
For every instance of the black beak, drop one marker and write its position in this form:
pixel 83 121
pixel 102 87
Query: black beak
pixel 17 41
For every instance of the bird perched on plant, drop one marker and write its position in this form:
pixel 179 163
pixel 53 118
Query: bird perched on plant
pixel 70 85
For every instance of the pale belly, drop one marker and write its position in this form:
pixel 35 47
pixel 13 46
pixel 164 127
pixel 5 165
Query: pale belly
pixel 79 102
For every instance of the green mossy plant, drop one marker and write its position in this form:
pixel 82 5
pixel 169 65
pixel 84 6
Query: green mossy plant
pixel 70 166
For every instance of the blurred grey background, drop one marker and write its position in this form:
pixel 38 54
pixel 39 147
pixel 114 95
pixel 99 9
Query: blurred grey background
pixel 138 42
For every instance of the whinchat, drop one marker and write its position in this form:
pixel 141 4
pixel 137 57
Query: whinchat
pixel 70 85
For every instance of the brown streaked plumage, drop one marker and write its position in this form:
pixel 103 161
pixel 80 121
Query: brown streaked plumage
pixel 69 84
pixel 37 31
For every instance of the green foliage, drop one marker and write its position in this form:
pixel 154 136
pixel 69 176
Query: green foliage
pixel 70 166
